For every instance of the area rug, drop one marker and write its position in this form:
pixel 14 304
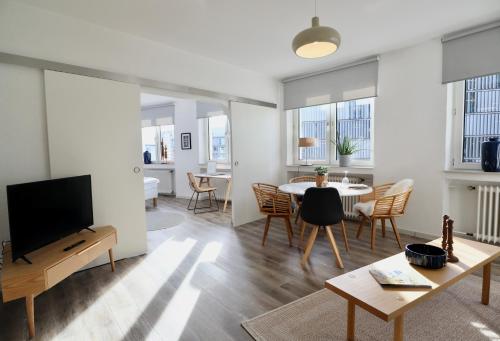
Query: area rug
pixel 160 219
pixel 454 314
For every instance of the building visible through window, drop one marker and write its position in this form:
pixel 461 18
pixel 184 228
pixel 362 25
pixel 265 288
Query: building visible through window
pixel 481 116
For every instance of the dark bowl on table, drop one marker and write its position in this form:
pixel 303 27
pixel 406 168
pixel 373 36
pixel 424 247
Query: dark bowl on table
pixel 427 256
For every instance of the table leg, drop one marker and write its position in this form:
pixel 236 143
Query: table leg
pixel 111 260
pixel 226 197
pixel 30 314
pixel 398 328
pixel 351 317
pixel 485 296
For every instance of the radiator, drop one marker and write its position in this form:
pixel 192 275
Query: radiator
pixel 166 177
pixel 488 203
pixel 348 202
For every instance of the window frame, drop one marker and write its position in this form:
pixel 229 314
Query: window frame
pixel 332 157
pixel 157 139
pixel 227 137
pixel 458 119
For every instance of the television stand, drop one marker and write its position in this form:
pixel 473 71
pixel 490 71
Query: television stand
pixel 51 265
pixel 88 228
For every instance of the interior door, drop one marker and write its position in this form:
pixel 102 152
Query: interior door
pixel 94 128
pixel 255 145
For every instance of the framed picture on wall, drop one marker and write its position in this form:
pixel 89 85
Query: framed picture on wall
pixel 186 141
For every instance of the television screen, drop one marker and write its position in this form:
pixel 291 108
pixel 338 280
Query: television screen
pixel 45 211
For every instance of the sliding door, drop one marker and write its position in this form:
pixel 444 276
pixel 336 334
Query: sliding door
pixel 255 137
pixel 94 128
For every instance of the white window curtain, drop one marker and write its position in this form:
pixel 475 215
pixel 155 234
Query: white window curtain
pixel 471 53
pixel 351 81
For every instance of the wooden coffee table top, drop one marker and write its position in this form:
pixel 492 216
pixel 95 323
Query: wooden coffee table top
pixel 360 287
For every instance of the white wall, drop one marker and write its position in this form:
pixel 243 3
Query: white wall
pixel 23 132
pixel 33 32
pixel 185 160
pixel 410 127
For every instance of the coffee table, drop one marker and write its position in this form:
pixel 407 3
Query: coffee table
pixel 361 289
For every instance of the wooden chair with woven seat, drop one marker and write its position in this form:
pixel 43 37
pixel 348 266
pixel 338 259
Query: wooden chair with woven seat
pixel 274 203
pixel 385 202
pixel 297 199
pixel 199 189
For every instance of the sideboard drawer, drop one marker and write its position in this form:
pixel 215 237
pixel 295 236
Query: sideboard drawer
pixel 60 271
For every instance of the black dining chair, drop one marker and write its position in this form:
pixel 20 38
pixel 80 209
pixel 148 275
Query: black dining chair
pixel 322 207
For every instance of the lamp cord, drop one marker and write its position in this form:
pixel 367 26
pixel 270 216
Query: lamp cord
pixel 315 7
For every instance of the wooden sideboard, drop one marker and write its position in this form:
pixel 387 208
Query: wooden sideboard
pixel 51 264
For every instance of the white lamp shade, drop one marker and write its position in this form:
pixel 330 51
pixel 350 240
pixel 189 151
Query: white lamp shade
pixel 316 41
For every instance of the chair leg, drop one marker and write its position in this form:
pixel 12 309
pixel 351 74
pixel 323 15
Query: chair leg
pixel 372 224
pixel 302 230
pixel 344 233
pixel 396 232
pixel 360 227
pixel 266 229
pixel 383 226
pixel 215 199
pixel 289 230
pixel 331 239
pixel 190 200
pixel 210 199
pixel 196 202
pixel 310 243
pixel 298 214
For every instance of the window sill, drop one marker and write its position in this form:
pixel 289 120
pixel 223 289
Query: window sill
pixel 159 166
pixel 332 169
pixel 471 175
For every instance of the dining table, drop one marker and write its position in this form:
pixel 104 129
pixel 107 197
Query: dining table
pixel 345 190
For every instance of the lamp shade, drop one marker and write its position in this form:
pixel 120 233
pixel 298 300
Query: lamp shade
pixel 307 142
pixel 316 41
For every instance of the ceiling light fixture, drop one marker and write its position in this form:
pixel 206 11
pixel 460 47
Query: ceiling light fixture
pixel 317 41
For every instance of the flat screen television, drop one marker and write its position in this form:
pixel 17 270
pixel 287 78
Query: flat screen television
pixel 45 211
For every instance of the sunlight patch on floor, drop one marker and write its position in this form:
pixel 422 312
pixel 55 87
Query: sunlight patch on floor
pixel 490 334
pixel 176 315
pixel 127 298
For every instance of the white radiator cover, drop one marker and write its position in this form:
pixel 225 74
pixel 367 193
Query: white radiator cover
pixel 166 177
pixel 488 204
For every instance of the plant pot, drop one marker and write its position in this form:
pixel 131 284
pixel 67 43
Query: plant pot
pixel 321 180
pixel 344 160
pixel 490 155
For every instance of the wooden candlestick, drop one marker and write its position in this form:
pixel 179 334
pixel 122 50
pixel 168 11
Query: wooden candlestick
pixel 451 258
pixel 445 231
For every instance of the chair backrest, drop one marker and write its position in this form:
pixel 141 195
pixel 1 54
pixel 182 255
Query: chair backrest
pixel 400 187
pixel 395 199
pixel 270 200
pixel 192 182
pixel 304 178
pixel 322 206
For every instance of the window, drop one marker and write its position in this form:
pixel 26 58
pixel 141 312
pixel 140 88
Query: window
pixel 152 138
pixel 352 119
pixel 218 139
pixel 476 117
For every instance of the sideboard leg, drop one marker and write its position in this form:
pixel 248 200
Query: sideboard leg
pixel 485 296
pixel 30 314
pixel 111 260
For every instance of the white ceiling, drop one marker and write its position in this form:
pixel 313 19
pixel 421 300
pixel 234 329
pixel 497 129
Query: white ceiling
pixel 148 100
pixel 257 34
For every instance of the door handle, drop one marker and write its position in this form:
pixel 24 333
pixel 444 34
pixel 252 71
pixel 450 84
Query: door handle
pixel 236 163
pixel 137 170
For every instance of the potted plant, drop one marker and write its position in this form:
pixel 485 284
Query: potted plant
pixel 321 175
pixel 345 147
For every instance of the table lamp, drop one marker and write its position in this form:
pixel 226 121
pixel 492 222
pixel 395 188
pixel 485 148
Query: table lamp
pixel 307 142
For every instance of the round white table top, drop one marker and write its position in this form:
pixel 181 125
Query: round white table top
pixel 299 188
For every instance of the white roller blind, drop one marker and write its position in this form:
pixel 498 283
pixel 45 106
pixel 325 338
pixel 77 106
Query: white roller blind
pixel 471 53
pixel 157 115
pixel 352 81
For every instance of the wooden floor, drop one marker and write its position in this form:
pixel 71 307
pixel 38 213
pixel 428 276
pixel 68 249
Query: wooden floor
pixel 199 281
